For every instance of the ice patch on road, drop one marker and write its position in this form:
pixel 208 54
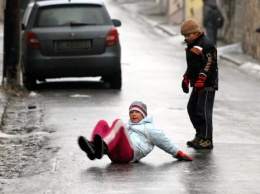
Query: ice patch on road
pixel 33 94
pixel 80 96
pixel 251 68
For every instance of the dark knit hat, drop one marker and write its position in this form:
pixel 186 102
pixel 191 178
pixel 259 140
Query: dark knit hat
pixel 139 106
pixel 190 26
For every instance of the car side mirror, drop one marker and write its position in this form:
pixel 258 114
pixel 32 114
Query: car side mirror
pixel 116 22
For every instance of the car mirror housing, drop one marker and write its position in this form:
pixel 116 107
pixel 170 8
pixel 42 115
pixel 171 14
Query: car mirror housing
pixel 116 22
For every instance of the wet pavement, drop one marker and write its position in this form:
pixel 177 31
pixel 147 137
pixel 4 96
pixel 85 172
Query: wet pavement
pixel 150 13
pixel 216 171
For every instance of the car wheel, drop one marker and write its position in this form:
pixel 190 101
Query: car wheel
pixel 29 82
pixel 115 80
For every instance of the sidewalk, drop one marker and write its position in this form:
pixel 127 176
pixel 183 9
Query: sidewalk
pixel 150 13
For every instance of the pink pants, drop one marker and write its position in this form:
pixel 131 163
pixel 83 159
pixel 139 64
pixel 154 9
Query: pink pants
pixel 117 139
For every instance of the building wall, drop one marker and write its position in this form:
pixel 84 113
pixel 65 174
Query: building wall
pixel 229 13
pixel 242 18
pixel 175 12
pixel 251 42
pixel 193 9
pixel 179 10
pixel 2 10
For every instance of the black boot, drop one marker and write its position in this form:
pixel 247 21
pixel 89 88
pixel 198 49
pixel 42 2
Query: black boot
pixel 194 141
pixel 105 148
pixel 99 146
pixel 204 144
pixel 87 147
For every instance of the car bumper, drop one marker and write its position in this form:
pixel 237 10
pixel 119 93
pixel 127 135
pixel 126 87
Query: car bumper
pixel 40 66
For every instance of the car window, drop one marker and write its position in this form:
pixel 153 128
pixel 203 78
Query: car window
pixel 64 15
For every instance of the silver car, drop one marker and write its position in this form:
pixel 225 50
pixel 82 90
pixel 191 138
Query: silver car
pixel 70 38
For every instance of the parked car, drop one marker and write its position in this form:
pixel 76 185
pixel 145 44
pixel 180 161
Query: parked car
pixel 70 38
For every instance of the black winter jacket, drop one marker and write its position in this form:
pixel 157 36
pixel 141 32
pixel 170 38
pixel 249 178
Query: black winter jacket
pixel 201 56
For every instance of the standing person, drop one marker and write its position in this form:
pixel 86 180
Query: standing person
pixel 212 19
pixel 202 75
pixel 130 142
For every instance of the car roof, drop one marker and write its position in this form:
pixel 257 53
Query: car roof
pixel 61 2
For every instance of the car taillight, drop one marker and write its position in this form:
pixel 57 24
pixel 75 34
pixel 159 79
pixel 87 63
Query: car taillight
pixel 112 37
pixel 32 40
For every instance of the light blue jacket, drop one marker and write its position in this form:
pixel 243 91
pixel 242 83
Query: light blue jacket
pixel 144 136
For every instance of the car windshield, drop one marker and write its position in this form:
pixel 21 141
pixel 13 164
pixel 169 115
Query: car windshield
pixel 70 15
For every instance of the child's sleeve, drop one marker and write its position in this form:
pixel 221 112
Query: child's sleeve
pixel 162 141
pixel 209 60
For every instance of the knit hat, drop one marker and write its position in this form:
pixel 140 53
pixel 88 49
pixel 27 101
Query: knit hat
pixel 190 26
pixel 139 106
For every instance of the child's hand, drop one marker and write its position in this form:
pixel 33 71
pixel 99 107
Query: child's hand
pixel 183 157
pixel 185 84
pixel 199 84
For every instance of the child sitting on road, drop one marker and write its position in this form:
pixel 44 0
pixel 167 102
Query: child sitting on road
pixel 130 142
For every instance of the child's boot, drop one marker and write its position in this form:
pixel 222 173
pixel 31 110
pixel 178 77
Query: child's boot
pixel 182 156
pixel 87 147
pixel 194 141
pixel 204 144
pixel 99 145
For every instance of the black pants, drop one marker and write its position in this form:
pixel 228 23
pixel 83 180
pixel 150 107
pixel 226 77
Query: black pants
pixel 200 109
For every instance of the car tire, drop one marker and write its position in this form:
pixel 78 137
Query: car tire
pixel 29 82
pixel 115 80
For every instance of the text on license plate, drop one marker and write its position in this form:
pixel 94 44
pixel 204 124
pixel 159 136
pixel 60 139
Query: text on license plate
pixel 73 44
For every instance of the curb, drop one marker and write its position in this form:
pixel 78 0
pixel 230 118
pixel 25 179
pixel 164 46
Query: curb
pixel 232 48
pixel 3 102
pixel 231 59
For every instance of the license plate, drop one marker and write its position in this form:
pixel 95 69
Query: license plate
pixel 73 44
